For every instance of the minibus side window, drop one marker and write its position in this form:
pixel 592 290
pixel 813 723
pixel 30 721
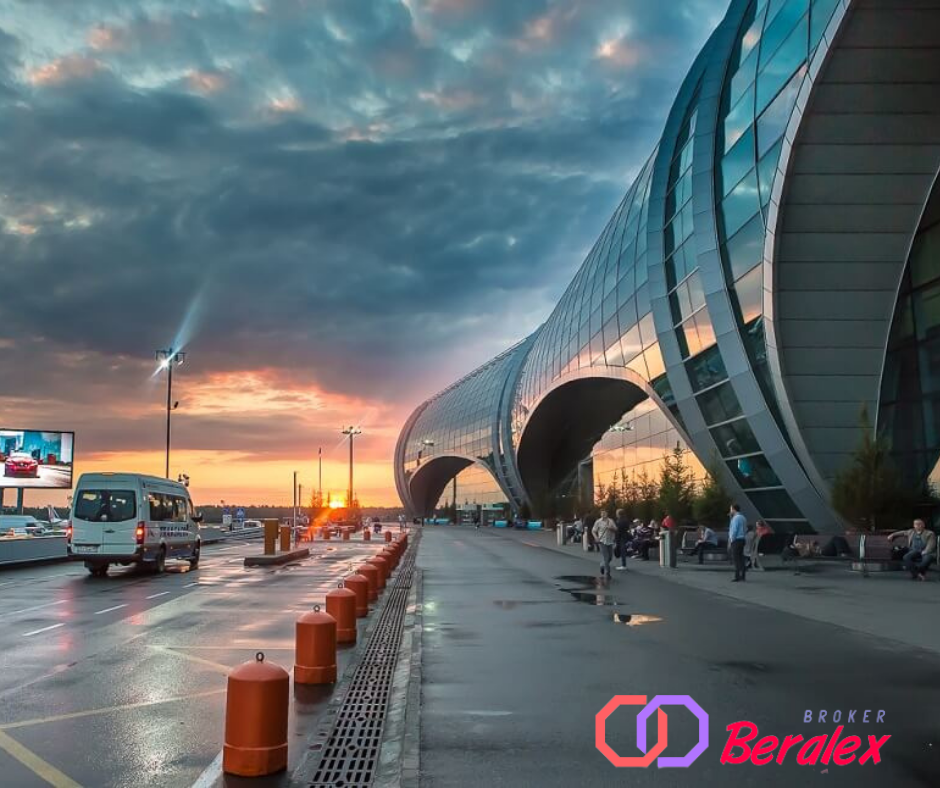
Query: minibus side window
pixel 158 508
pixel 179 509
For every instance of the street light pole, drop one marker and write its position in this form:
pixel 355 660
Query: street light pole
pixel 352 432
pixel 320 477
pixel 168 358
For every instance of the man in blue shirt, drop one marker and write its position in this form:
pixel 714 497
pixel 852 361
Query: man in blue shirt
pixel 737 539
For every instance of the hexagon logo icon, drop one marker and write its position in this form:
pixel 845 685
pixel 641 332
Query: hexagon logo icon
pixel 650 755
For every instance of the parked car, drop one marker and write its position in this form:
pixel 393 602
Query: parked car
pixel 19 463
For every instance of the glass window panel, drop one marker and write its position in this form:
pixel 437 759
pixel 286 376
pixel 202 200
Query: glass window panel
pixel 631 343
pixel 696 293
pixel 788 59
pixel 706 332
pixel 766 168
pixel 819 20
pixel 925 257
pixel 638 365
pixel 739 119
pixel 741 204
pixel 706 370
pixel 929 363
pixel 775 504
pixel 689 332
pixel 745 249
pixel 902 329
pixel 719 404
pixel 743 78
pixel 780 26
pixel 753 471
pixel 737 161
pixel 735 438
pixel 647 329
pixel 642 272
pixel 683 340
pixel 773 122
pixel 927 312
pixel 751 37
pixel 749 290
pixel 654 361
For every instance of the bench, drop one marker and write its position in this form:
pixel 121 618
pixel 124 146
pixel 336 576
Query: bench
pixel 711 554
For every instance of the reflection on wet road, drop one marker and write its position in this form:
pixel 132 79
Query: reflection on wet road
pixel 108 679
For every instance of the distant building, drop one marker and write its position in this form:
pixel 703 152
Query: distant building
pixel 774 268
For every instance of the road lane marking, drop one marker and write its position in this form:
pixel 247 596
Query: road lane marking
pixel 107 710
pixel 34 607
pixel 211 775
pixel 226 669
pixel 190 585
pixel 109 609
pixel 154 596
pixel 42 769
pixel 44 629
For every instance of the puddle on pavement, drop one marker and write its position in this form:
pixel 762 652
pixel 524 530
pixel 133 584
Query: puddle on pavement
pixel 746 667
pixel 584 580
pixel 510 604
pixel 592 597
pixel 635 619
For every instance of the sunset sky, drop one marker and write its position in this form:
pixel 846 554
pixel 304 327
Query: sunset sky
pixel 336 207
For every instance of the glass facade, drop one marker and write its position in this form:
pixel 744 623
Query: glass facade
pixel 710 182
pixel 910 390
pixel 637 451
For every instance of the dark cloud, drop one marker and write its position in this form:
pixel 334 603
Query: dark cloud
pixel 368 195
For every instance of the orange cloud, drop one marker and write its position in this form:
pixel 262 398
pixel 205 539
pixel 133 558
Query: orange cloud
pixel 619 52
pixel 104 38
pixel 64 69
pixel 207 82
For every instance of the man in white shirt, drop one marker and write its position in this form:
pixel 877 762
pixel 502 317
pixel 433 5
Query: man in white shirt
pixel 605 534
pixel 737 539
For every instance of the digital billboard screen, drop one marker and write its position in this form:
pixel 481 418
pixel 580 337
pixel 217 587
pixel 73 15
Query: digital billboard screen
pixel 34 459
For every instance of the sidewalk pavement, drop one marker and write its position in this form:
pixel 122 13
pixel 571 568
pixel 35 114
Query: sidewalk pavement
pixel 885 604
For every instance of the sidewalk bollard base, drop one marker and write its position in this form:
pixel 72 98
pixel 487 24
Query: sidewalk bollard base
pixel 254 762
pixel 324 675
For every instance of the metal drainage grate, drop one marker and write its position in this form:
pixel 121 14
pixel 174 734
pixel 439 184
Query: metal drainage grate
pixel 351 754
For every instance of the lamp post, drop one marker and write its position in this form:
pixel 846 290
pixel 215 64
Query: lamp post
pixel 352 432
pixel 168 359
pixel 320 477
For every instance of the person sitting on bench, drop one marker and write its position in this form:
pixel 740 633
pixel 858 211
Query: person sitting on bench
pixel 706 540
pixel 921 549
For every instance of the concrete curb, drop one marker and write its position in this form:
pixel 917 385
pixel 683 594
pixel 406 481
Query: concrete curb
pixel 279 558
pixel 399 757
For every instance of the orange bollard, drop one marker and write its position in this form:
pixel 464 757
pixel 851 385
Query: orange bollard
pixel 359 585
pixel 388 536
pixel 326 533
pixel 371 574
pixel 341 604
pixel 366 535
pixel 345 534
pixel 256 706
pixel 382 565
pixel 392 558
pixel 315 660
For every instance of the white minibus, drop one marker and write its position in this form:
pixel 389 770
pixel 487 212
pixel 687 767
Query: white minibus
pixel 128 518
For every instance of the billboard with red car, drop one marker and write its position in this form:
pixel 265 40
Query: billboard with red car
pixel 36 459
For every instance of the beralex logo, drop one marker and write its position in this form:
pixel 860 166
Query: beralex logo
pixel 738 749
pixel 662 727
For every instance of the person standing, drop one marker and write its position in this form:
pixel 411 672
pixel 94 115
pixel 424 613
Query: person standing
pixel 737 539
pixel 623 537
pixel 605 534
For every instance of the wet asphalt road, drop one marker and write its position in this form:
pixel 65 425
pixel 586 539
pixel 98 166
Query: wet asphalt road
pixel 120 681
pixel 518 658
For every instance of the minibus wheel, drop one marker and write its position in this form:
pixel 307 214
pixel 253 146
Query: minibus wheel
pixel 159 565
pixel 194 561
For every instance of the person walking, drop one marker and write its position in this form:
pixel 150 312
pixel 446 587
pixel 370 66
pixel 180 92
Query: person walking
pixel 605 534
pixel 623 537
pixel 737 539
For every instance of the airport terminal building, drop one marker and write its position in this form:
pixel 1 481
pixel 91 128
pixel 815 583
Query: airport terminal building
pixel 774 269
